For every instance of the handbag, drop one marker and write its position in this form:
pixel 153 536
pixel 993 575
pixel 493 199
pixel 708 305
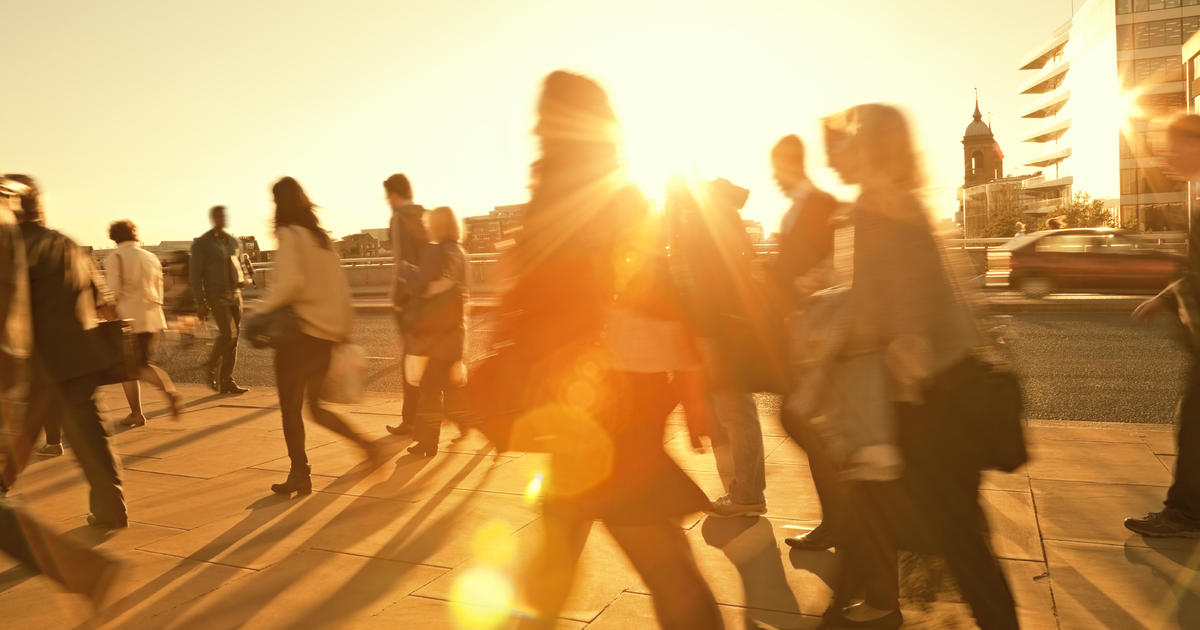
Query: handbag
pixel 117 343
pixel 981 402
pixel 346 375
pixel 274 329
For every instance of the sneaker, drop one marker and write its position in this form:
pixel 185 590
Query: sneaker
pixel 51 450
pixel 1165 524
pixel 724 507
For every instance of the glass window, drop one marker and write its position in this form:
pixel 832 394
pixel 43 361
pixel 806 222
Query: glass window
pixel 1190 3
pixel 1125 36
pixel 1190 25
pixel 1140 5
pixel 1128 181
pixel 1124 6
pixel 1066 243
pixel 1153 70
pixel 1171 4
pixel 1155 5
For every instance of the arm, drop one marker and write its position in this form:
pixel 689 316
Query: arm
pixel 289 279
pixel 426 277
pixel 196 272
pixel 112 273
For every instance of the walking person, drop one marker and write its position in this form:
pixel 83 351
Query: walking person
pixel 65 291
pixel 409 238
pixel 1180 516
pixel 217 278
pixel 805 244
pixel 135 276
pixel 309 282
pixel 435 332
pixel 601 338
pixel 712 256
pixel 906 331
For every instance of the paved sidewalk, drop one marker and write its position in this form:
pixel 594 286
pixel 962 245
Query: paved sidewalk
pixel 428 543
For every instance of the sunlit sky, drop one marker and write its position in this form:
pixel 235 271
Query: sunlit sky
pixel 155 110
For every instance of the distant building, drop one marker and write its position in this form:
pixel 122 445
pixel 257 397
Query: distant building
pixel 1191 75
pixel 360 245
pixel 754 230
pixel 482 233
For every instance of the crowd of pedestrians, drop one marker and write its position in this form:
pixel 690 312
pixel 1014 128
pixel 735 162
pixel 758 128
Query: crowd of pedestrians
pixel 612 316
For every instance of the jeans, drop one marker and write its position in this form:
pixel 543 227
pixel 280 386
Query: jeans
pixel 437 398
pixel 1184 494
pixel 737 413
pixel 822 466
pixel 226 312
pixel 300 369
pixel 71 403
pixel 412 393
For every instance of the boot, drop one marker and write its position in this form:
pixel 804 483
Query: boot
pixel 427 433
pixel 298 481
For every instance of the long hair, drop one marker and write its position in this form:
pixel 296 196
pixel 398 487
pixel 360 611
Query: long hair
pixel 884 147
pixel 292 207
pixel 444 225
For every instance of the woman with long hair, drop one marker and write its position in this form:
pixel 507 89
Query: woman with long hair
pixel 913 482
pixel 435 333
pixel 600 339
pixel 310 282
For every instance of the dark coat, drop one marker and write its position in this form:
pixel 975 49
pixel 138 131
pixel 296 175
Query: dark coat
pixel 442 333
pixel 213 275
pixel 64 289
pixel 408 241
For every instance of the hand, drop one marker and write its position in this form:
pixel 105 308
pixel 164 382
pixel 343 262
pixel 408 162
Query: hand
pixel 202 312
pixel 1148 310
pixel 107 312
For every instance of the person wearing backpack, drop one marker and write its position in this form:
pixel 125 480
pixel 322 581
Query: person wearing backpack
pixel 136 278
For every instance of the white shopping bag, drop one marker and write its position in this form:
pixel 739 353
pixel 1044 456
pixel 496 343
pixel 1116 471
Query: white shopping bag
pixel 347 375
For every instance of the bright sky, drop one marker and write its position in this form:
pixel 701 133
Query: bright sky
pixel 155 110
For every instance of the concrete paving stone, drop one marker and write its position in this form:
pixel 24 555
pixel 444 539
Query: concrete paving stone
pixel 1096 462
pixel 448 530
pixel 514 476
pixel 437 614
pixel 1030 584
pixel 788 453
pixel 1105 586
pixel 1094 513
pixel 635 610
pixel 310 589
pixel 1015 481
pixel 233 450
pixel 206 500
pixel 54 498
pixel 1162 442
pixel 415 478
pixel 1168 462
pixel 1037 432
pixel 747 564
pixel 603 573
pixel 1013 524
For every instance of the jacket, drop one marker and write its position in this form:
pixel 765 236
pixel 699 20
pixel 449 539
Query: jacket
pixel 214 274
pixel 310 280
pixel 408 241
pixel 443 268
pixel 64 290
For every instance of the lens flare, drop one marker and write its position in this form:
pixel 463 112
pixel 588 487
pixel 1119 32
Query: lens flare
pixel 494 545
pixel 481 598
pixel 533 491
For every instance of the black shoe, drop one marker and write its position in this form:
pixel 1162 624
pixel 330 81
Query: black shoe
pixel 210 378
pixel 120 523
pixel 819 539
pixel 1165 524
pixel 428 450
pixel 401 429
pixel 233 388
pixel 298 481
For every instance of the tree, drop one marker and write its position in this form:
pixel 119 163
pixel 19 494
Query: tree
pixel 1003 219
pixel 1083 211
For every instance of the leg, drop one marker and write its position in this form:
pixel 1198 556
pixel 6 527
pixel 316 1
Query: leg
pixel 77 567
pixel 85 430
pixel 408 406
pixel 430 405
pixel 1184 495
pixel 830 491
pixel 220 312
pixel 737 414
pixel 24 415
pixel 290 379
pixel 548 577
pixel 317 353
pixel 133 395
pixel 661 555
pixel 229 359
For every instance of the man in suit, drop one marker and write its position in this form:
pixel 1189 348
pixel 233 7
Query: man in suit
pixel 408 239
pixel 1180 516
pixel 805 244
pixel 64 293
pixel 217 278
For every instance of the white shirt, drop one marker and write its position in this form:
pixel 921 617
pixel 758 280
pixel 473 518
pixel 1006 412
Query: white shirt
pixel 135 277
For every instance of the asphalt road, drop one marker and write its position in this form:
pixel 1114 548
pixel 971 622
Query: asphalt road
pixel 1098 367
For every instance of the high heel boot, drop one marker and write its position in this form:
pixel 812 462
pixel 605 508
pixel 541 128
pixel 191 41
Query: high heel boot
pixel 298 481
pixel 427 433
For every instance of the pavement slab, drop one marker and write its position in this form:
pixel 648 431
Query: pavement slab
pixel 1094 512
pixel 1098 462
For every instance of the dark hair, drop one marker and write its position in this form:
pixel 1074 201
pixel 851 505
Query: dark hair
pixel 121 231
pixel 215 209
pixel 31 201
pixel 789 153
pixel 292 207
pixel 399 185
pixel 1187 125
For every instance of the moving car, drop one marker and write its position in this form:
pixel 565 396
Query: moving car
pixel 1088 259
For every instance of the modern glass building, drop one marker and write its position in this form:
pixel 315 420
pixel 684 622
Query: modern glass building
pixel 1103 84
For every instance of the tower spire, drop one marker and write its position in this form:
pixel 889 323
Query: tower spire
pixel 978 115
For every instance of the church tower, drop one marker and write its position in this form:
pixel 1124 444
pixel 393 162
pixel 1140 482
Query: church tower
pixel 982 160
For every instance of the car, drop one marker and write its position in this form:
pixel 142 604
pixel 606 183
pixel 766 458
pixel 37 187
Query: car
pixel 1088 259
